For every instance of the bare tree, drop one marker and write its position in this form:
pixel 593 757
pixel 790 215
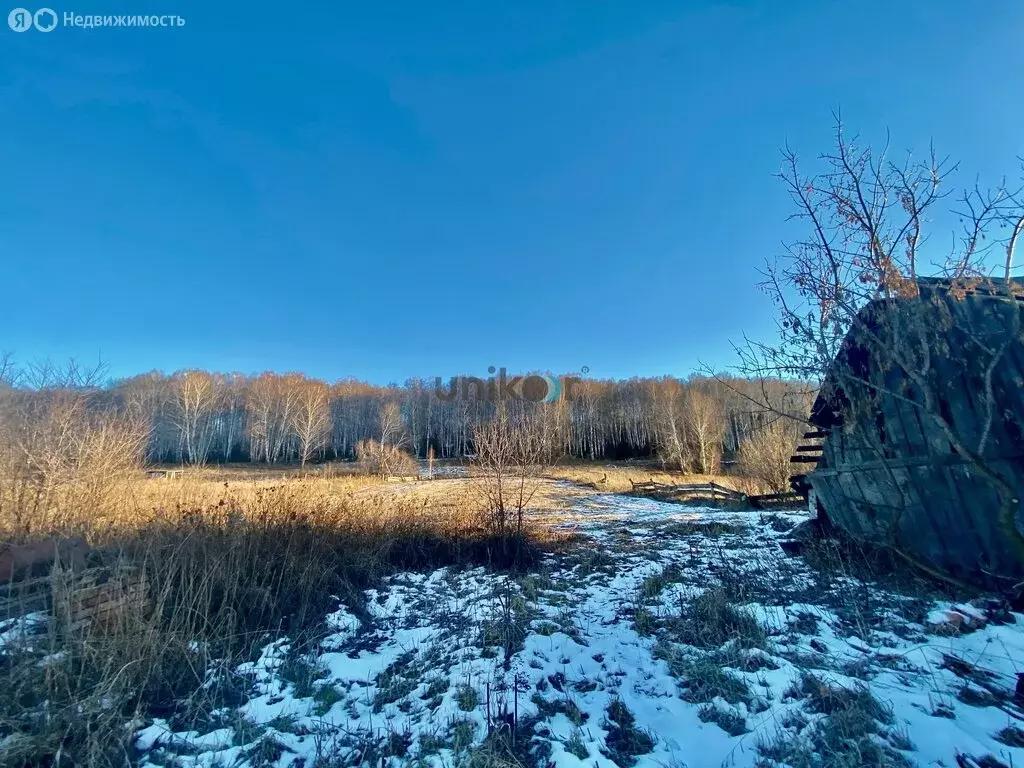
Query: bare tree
pixel 668 397
pixel 392 430
pixel 45 374
pixel 508 461
pixel 272 402
pixel 311 418
pixel 197 397
pixel 705 427
pixel 765 454
pixel 9 371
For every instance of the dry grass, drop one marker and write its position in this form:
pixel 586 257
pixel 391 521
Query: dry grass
pixel 849 734
pixel 255 471
pixel 230 560
pixel 620 478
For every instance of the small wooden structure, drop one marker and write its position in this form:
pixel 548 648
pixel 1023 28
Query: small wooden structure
pixel 164 474
pixel 93 599
pixel 100 598
pixel 887 472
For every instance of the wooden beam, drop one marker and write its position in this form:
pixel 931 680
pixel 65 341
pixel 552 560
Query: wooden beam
pixel 914 461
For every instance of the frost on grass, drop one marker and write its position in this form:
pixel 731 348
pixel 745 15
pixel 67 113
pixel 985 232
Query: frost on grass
pixel 671 636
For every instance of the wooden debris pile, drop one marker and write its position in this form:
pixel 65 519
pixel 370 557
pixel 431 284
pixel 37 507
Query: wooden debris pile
pixel 53 578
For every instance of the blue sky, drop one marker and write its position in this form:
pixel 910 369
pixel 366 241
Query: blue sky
pixel 391 189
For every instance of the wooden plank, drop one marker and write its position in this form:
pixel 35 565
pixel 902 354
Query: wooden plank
pixel 925 522
pixel 804 460
pixel 858 518
pixel 947 459
pixel 950 512
pixel 824 490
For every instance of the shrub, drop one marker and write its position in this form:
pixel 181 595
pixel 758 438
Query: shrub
pixel 624 741
pixel 765 455
pixel 385 460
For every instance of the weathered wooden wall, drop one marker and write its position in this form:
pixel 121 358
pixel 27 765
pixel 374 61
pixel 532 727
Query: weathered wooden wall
pixel 888 474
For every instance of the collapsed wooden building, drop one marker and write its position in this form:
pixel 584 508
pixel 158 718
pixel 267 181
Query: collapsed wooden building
pixel 918 431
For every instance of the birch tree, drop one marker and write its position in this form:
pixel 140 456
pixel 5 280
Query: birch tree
pixel 272 402
pixel 705 427
pixel 670 419
pixel 197 396
pixel 311 418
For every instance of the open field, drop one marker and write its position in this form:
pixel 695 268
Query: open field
pixel 304 619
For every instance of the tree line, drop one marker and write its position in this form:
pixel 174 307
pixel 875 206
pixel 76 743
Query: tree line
pixel 198 417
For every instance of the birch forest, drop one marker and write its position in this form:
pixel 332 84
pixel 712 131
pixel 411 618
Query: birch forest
pixel 196 417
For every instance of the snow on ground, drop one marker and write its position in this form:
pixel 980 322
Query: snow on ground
pixel 19 631
pixel 443 470
pixel 672 636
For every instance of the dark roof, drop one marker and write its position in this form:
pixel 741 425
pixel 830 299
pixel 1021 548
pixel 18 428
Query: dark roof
pixel 831 403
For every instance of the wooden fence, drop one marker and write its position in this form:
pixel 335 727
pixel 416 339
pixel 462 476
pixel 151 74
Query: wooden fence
pixel 714 492
pixel 688 492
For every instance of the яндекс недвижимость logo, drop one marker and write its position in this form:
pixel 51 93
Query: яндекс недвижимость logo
pixel 47 20
pixel 22 20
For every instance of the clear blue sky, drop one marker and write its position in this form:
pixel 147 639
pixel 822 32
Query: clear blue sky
pixel 409 188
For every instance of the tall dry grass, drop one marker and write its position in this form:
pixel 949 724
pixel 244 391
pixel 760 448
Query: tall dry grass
pixel 228 566
pixel 228 560
pixel 60 457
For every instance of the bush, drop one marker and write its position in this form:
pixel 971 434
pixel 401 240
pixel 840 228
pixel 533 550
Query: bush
pixel 510 456
pixel 766 454
pixel 60 454
pixel 385 460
